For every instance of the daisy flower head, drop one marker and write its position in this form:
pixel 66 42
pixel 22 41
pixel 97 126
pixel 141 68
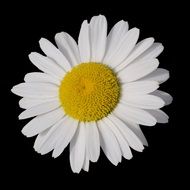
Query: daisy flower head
pixel 93 94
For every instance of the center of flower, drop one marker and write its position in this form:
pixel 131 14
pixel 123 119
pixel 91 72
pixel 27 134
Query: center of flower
pixel 89 92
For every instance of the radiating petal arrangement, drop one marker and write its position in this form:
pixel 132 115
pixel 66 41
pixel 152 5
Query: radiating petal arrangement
pixel 94 94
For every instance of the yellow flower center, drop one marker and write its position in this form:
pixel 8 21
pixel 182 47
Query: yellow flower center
pixel 89 92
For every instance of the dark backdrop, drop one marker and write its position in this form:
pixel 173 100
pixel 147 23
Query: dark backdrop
pixel 23 25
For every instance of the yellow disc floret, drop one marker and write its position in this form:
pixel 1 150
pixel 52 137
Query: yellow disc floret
pixel 89 92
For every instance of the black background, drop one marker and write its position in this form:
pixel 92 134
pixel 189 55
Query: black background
pixel 23 25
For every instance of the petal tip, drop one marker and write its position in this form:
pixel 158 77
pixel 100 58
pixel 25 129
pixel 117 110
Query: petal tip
pixel 161 47
pixel 146 144
pixel 53 156
pixel 42 40
pixel 84 22
pixel 32 55
pixel 137 30
pixel 23 131
pixel 151 39
pixel 26 132
pixel 13 90
pixel 59 35
pixel 20 117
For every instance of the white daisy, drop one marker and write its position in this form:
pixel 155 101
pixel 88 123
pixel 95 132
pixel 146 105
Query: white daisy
pixel 93 94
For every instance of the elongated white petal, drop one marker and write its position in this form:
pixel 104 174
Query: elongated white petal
pixel 115 38
pixel 63 128
pixel 39 139
pixel 27 103
pixel 143 101
pixel 135 115
pixel 41 77
pixel 77 149
pixel 139 87
pixel 135 128
pixel 68 128
pixel 46 140
pixel 109 143
pixel 154 51
pixel 92 141
pixel 36 90
pixel 123 49
pixel 165 96
pixel 51 51
pixel 47 65
pixel 160 116
pixel 39 109
pixel 138 49
pixel 160 75
pixel 86 163
pixel 131 138
pixel 126 152
pixel 138 70
pixel 68 46
pixel 98 33
pixel 84 42
pixel 42 122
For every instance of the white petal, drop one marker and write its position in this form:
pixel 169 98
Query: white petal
pixel 135 115
pixel 143 101
pixel 116 34
pixel 46 140
pixel 68 128
pixel 51 51
pixel 42 122
pixel 77 149
pixel 138 49
pixel 39 139
pixel 115 37
pixel 152 52
pixel 39 109
pixel 165 96
pixel 92 141
pixel 47 65
pixel 139 87
pixel 126 152
pixel 84 42
pixel 68 47
pixel 160 75
pixel 136 129
pixel 138 70
pixel 160 116
pixel 98 35
pixel 122 50
pixel 86 163
pixel 36 90
pixel 27 103
pixel 86 157
pixel 41 77
pixel 131 138
pixel 54 136
pixel 109 143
